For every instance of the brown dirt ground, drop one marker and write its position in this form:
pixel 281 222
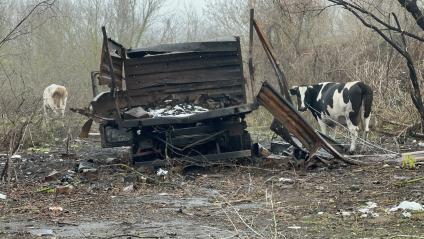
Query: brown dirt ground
pixel 242 201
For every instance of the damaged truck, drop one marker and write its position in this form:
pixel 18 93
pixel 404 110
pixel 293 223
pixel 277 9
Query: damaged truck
pixel 184 101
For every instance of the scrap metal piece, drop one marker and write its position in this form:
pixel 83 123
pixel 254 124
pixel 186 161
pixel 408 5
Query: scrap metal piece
pixel 284 112
pixel 86 129
pixel 137 112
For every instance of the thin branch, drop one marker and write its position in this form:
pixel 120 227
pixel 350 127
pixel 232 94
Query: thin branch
pixel 377 19
pixel 8 36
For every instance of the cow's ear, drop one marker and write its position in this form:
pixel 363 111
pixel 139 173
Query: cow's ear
pixel 293 90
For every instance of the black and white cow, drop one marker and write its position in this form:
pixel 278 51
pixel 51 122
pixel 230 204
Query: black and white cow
pixel 337 102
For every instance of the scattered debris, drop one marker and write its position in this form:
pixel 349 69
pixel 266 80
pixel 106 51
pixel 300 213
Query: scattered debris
pixel 64 189
pixel 406 214
pixel 286 180
pixel 16 156
pixel 162 172
pixel 294 227
pixel 42 232
pixel 86 167
pixel 56 209
pixel 111 161
pixel 320 213
pixel 3 196
pixel 408 206
pixel 344 213
pixel 279 147
pixel 260 151
pixel 128 188
pixel 136 113
pixel 179 110
pixel 369 210
pixel 54 175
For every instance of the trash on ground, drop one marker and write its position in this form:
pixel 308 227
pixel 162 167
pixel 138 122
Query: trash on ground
pixel 128 188
pixel 294 227
pixel 86 167
pixel 162 172
pixel 56 209
pixel 41 232
pixel 52 176
pixel 406 214
pixel 16 156
pixel 344 213
pixel 64 189
pixel 260 150
pixel 3 196
pixel 369 210
pixel 408 206
pixel 286 180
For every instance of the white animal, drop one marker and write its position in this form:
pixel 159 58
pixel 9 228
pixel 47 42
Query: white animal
pixel 54 98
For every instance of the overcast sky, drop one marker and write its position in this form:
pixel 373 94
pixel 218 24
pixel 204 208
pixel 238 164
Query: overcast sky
pixel 179 5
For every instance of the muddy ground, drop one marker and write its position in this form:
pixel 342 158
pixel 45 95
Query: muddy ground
pixel 250 200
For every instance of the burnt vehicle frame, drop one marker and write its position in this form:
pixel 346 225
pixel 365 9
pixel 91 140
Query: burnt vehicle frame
pixel 183 72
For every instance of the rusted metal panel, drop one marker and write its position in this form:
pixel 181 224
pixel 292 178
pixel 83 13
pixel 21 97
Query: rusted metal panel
pixel 208 115
pixel 183 77
pixel 208 68
pixel 116 51
pixel 284 112
pixel 210 46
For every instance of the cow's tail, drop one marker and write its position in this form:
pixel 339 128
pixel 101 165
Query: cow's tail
pixel 367 98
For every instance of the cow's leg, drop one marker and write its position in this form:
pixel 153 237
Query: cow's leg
pixel 352 122
pixel 367 126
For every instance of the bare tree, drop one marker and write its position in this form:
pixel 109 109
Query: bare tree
pixel 379 25
pixel 18 30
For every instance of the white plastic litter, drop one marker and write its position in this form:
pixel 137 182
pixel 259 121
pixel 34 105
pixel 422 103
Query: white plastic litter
pixel 294 227
pixel 16 156
pixel 408 206
pixel 406 214
pixel 162 172
pixel 285 180
pixel 128 188
pixel 369 210
pixel 345 213
pixel 3 196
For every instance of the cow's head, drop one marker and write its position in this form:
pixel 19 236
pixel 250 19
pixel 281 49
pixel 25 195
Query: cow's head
pixel 303 96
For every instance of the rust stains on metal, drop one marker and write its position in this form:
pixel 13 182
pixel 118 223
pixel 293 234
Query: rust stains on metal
pixel 111 63
pixel 186 71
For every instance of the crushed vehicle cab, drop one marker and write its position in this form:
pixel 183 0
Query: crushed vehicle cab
pixel 184 101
